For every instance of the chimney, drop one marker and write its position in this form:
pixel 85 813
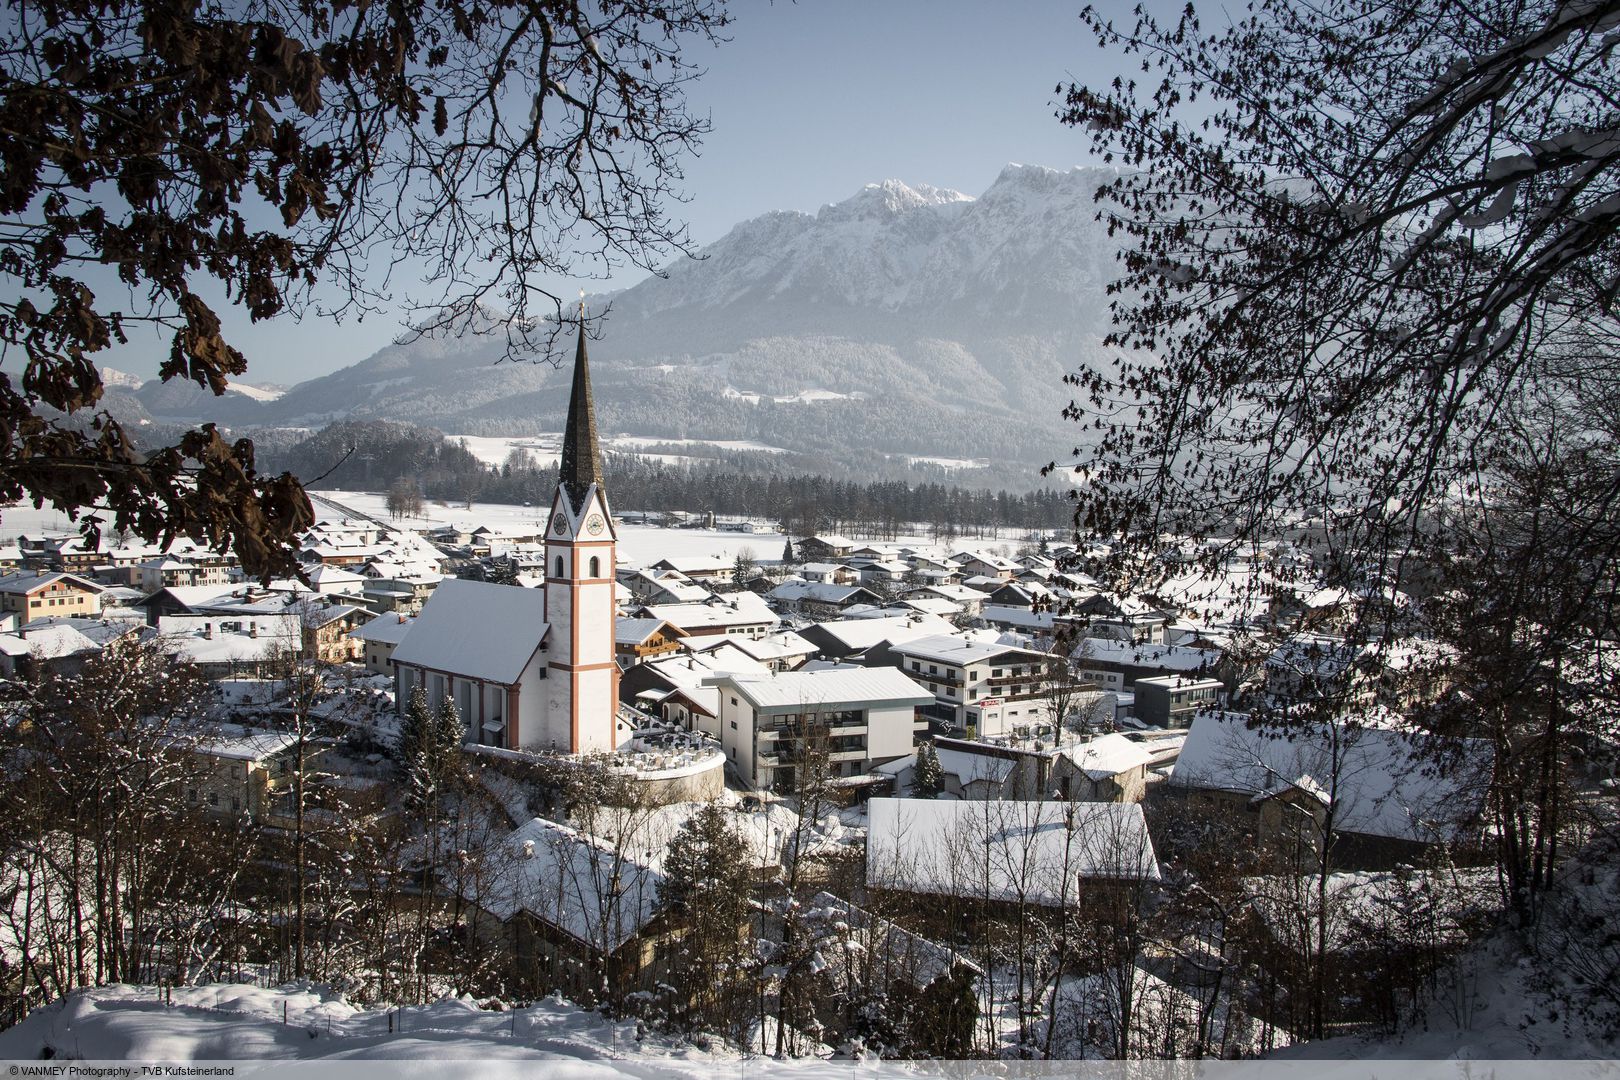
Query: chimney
pixel 208 631
pixel 253 629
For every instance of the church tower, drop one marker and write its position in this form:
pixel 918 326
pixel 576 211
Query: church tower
pixel 582 679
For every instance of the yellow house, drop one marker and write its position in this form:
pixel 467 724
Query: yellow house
pixel 38 595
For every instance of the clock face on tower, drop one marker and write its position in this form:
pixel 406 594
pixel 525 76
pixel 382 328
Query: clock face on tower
pixel 559 525
pixel 594 524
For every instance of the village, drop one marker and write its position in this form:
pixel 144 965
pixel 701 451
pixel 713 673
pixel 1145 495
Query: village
pixel 941 802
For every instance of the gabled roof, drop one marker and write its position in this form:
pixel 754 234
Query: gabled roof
pixel 997 850
pixel 1386 781
pixel 477 630
pixel 566 879
pixel 1107 755
pixel 387 629
pixel 27 581
pixel 960 649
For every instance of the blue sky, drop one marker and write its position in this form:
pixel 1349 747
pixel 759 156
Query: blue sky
pixel 810 101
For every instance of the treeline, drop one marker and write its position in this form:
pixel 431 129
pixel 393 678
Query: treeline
pixel 373 455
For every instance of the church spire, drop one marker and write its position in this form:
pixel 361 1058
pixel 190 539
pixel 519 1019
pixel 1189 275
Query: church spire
pixel 581 458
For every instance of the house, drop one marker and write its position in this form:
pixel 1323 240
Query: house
pixel 968 601
pixel 226 646
pixel 982 687
pixel 377 640
pixel 326 629
pixel 817 600
pixel 1129 619
pixel 1378 783
pixel 1171 701
pixel 242 771
pixel 649 684
pixel 635 640
pixel 570 905
pixel 741 614
pixel 160 573
pixel 1115 664
pixel 782 651
pixel 861 716
pixel 868 640
pixel 1109 768
pixel 989 566
pixel 33 595
pixel 667 587
pixel 701 569
pixel 991 853
pixel 824 547
pixel 828 573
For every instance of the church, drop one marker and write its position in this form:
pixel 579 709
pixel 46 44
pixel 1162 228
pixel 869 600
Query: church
pixel 533 669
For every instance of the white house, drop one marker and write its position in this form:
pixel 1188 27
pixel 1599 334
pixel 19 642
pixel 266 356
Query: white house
pixel 866 716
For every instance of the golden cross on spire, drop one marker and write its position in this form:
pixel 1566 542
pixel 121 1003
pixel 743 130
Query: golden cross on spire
pixel 582 307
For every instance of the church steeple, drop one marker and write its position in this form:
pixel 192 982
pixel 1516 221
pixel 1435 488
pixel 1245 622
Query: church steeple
pixel 581 458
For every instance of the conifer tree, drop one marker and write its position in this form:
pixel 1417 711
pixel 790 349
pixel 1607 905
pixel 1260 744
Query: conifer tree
pixel 788 558
pixel 707 886
pixel 415 749
pixel 448 734
pixel 928 779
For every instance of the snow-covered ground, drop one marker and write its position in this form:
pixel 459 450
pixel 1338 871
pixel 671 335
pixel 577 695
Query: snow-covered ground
pixel 234 1021
pixel 639 545
pixel 546 445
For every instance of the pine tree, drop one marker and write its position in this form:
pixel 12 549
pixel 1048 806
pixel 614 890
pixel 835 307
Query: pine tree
pixel 448 734
pixel 416 739
pixel 788 558
pixel 707 885
pixel 928 779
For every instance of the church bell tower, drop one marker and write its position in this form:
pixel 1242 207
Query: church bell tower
pixel 582 677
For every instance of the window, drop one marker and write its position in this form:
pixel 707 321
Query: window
pixel 734 701
pixel 213 798
pixel 559 571
pixel 596 566
pixel 916 665
pixel 996 673
pixel 734 725
pixel 933 669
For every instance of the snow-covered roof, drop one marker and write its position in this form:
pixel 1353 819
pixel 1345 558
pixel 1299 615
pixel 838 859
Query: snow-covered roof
pixel 236 743
pixel 776 646
pixel 27 581
pixel 998 850
pixel 1107 755
pixel 735 609
pixel 1388 781
pixel 856 635
pixel 821 592
pixel 385 629
pixel 476 629
pixel 884 949
pixel 637 631
pixel 969 768
pixel 1175 658
pixel 962 650
pixel 570 881
pixel 845 686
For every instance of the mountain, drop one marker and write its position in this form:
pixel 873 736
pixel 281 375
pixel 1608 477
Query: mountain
pixel 906 320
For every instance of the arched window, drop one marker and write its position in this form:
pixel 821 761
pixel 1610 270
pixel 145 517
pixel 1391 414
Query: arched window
pixel 559 572
pixel 596 567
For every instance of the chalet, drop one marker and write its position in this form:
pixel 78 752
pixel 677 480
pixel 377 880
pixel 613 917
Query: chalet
pixel 783 651
pixel 702 569
pixel 968 601
pixel 34 595
pixel 635 640
pixel 828 573
pixel 824 547
pixel 1123 617
pixel 1109 768
pixel 740 614
pixel 160 573
pixel 326 630
pixel 989 566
